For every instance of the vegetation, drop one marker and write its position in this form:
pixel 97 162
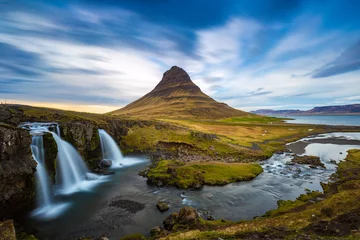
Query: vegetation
pixel 332 215
pixel 134 237
pixel 188 175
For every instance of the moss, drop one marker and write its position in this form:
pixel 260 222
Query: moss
pixel 254 119
pixel 7 230
pixel 196 174
pixel 134 237
pixel 333 215
pixel 25 236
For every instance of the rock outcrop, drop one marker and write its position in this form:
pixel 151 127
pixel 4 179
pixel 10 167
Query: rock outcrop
pixel 17 168
pixel 85 138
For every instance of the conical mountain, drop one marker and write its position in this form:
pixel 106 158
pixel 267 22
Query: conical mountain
pixel 176 96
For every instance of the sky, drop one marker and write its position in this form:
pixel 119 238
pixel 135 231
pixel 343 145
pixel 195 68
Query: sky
pixel 98 56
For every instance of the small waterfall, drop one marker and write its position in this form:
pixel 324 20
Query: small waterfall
pixel 110 149
pixel 71 170
pixel 44 198
pixel 58 130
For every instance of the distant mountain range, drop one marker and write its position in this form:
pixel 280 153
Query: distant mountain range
pixel 353 109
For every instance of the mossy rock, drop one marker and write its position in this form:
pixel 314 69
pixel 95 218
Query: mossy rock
pixel 162 206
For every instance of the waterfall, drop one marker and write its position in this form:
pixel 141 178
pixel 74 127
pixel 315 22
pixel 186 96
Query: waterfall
pixel 71 171
pixel 109 148
pixel 58 130
pixel 44 198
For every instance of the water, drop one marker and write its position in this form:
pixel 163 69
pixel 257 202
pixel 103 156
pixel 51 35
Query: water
pixel 44 197
pixel 347 120
pixel 236 201
pixel 71 173
pixel 111 151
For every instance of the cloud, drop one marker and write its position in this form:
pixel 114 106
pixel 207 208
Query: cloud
pixel 348 61
pixel 225 43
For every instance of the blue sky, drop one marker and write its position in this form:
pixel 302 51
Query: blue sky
pixel 100 55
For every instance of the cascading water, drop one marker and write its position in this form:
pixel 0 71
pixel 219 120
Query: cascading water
pixel 111 151
pixel 71 174
pixel 109 148
pixel 44 198
pixel 72 171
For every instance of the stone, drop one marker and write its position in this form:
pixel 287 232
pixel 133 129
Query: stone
pixel 105 163
pixel 17 168
pixel 155 231
pixel 162 206
pixel 188 216
pixel 170 221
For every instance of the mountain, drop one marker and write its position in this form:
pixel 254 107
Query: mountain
pixel 353 109
pixel 176 96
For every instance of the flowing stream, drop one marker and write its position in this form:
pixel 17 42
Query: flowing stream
pixel 93 212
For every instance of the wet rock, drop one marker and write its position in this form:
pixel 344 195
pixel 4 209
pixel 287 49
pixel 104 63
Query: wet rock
pixel 170 221
pixel 162 206
pixel 188 216
pixel 155 231
pixel 332 161
pixel 105 163
pixel 17 168
pixel 103 171
pixel 310 160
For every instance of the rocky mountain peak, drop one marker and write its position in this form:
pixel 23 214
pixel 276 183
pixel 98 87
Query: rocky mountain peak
pixel 175 76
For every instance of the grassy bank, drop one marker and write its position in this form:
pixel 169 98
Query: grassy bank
pixel 182 175
pixel 332 215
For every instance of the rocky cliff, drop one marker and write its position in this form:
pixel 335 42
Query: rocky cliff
pixel 17 169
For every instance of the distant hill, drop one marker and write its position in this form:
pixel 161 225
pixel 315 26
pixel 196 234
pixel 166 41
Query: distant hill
pixel 325 110
pixel 176 96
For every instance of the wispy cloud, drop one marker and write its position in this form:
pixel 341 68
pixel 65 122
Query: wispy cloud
pixel 110 54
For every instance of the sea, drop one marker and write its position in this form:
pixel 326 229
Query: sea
pixel 345 120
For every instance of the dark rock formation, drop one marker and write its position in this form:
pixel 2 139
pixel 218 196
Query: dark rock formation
pixel 105 163
pixel 17 168
pixel 187 216
pixel 85 138
pixel 50 152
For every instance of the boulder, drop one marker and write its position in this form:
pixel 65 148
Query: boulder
pixel 105 163
pixel 162 206
pixel 170 221
pixel 188 216
pixel 155 231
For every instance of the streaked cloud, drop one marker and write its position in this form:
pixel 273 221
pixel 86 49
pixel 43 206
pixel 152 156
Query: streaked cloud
pixel 108 53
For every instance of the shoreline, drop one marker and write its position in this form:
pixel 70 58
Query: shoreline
pixel 299 146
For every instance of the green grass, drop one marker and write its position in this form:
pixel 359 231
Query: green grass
pixel 254 119
pixel 313 215
pixel 194 174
